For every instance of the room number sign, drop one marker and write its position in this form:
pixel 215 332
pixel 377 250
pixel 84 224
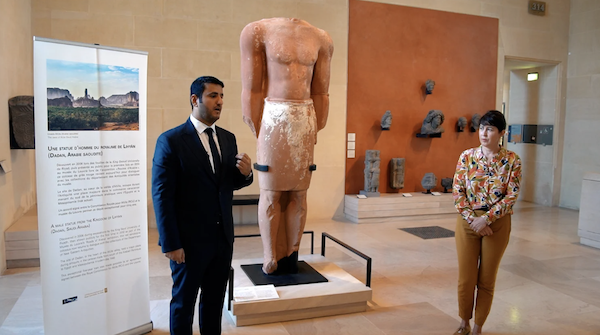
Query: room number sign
pixel 537 8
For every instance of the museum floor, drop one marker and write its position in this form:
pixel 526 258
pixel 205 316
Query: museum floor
pixel 547 284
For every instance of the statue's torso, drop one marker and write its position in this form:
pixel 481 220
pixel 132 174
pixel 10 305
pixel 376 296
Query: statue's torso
pixel 291 50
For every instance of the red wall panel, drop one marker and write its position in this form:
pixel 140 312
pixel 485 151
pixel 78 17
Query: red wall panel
pixel 392 51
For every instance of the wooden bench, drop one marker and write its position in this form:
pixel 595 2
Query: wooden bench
pixel 245 199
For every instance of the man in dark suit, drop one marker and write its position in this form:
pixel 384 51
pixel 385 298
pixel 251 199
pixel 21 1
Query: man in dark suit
pixel 195 170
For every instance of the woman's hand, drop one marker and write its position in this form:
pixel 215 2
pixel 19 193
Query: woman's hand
pixel 480 226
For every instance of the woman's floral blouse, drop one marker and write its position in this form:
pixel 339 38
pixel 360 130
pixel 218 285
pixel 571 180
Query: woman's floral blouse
pixel 479 183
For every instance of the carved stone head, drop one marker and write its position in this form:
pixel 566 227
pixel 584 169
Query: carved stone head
pixel 429 85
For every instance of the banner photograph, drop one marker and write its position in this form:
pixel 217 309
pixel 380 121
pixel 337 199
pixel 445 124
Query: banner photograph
pixel 90 133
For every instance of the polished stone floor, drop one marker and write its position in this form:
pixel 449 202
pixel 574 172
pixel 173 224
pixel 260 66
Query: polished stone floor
pixel 547 284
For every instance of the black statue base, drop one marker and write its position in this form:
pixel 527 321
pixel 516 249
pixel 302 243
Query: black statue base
pixel 428 192
pixel 305 275
pixel 446 190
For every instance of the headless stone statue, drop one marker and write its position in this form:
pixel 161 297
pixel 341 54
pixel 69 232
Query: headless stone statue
pixel 285 101
pixel 433 122
pixel 372 171
pixel 397 173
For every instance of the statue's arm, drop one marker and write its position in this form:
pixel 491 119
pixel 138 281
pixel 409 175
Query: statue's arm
pixel 252 68
pixel 319 90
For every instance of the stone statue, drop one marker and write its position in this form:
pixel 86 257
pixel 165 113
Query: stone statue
pixel 475 122
pixel 386 120
pixel 461 124
pixel 372 163
pixel 447 184
pixel 285 101
pixel 428 182
pixel 397 173
pixel 429 85
pixel 433 122
pixel 22 133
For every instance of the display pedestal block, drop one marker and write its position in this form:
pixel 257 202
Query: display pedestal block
pixel 22 242
pixel 341 294
pixel 394 206
pixel 589 226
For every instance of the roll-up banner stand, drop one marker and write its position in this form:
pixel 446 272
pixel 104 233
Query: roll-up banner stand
pixel 90 133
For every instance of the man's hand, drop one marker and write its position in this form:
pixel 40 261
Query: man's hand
pixel 480 226
pixel 243 163
pixel 177 256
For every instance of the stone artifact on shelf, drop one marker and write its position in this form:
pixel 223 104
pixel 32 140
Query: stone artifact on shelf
pixel 285 102
pixel 475 122
pixel 372 162
pixel 461 124
pixel 397 173
pixel 432 124
pixel 428 182
pixel 429 85
pixel 447 184
pixel 386 120
pixel 22 133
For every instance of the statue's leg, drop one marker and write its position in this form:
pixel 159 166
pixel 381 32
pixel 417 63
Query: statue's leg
pixel 269 215
pixel 295 219
pixel 281 246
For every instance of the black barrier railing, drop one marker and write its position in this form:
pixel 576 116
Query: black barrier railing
pixel 312 251
pixel 358 253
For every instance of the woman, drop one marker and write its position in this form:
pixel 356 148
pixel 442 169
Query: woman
pixel 486 186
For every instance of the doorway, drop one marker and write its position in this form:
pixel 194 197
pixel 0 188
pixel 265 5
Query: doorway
pixel 535 102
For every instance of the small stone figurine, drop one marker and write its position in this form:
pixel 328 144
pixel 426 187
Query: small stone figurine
pixel 429 85
pixel 433 122
pixel 397 173
pixel 461 124
pixel 386 120
pixel 428 182
pixel 447 184
pixel 372 171
pixel 475 122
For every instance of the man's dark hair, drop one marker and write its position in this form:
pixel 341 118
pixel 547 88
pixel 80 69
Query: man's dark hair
pixel 493 118
pixel 198 85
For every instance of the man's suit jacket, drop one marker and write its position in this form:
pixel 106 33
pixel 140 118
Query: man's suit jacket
pixel 192 207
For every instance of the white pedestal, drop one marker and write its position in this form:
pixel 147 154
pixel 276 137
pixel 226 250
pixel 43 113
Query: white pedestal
pixel 389 207
pixel 342 294
pixel 22 242
pixel 589 223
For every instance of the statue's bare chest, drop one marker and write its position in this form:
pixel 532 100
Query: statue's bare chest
pixel 292 46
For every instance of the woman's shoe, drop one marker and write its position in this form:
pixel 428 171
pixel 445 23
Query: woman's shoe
pixel 463 331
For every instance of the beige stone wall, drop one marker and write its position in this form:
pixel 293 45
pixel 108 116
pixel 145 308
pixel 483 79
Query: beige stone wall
pixel 188 38
pixel 582 134
pixel 17 188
